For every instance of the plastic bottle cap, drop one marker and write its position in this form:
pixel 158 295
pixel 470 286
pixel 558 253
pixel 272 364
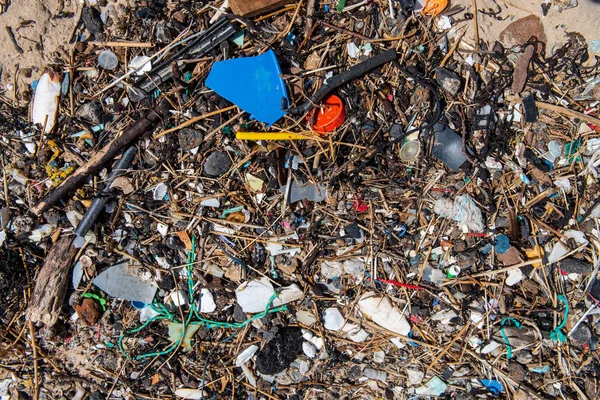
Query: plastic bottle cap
pixel 108 60
pixel 410 150
pixel 330 116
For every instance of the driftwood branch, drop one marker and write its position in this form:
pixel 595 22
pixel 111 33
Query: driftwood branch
pixel 51 284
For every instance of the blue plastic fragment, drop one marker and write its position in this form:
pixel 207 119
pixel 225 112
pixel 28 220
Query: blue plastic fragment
pixel 541 370
pixel 138 305
pixel 502 244
pixel 253 84
pixel 493 385
pixel 486 249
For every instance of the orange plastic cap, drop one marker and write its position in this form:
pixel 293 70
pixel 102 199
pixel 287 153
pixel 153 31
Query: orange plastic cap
pixel 434 7
pixel 330 115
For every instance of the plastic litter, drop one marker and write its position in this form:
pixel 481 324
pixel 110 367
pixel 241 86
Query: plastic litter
pixel 448 147
pixel 463 210
pixel 108 60
pixel 434 387
pixel 253 84
pixel 380 310
pixel 254 296
pixel 123 281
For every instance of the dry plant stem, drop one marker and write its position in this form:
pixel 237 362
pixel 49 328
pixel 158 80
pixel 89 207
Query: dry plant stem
pixel 194 120
pixel 36 388
pixel 123 44
pixel 475 24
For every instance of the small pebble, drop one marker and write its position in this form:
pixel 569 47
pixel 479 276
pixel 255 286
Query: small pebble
pixel 217 164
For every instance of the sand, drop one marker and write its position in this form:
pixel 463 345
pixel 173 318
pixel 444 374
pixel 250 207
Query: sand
pixel 585 19
pixel 52 22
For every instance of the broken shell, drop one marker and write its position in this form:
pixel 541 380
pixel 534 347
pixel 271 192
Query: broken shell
pixel 45 102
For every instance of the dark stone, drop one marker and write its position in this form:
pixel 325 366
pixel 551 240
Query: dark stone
pixel 575 266
pixel 354 231
pixel 90 112
pixel 217 164
pixel 448 80
pixel 582 335
pixel 93 23
pixel 238 314
pixel 396 131
pixel 97 395
pixel 517 371
pixel 354 373
pixel 189 138
pixel 278 354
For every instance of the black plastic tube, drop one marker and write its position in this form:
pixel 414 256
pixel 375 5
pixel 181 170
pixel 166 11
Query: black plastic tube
pixel 98 203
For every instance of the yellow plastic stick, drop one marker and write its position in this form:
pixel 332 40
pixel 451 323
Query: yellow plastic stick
pixel 270 136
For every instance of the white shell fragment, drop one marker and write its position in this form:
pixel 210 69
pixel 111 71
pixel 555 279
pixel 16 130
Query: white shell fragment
pixel 207 302
pixel 333 320
pixel 254 296
pixel 191 394
pixel 140 64
pixel 309 350
pixel 45 101
pixel 246 355
pixel 383 313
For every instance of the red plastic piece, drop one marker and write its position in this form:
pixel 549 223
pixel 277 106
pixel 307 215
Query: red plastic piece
pixel 330 116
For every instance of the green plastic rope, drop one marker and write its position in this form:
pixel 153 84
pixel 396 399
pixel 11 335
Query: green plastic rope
pixel 556 333
pixel 508 346
pixel 193 317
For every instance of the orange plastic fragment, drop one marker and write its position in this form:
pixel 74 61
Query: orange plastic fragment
pixel 434 7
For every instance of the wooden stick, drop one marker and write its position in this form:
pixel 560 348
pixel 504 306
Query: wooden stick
pixel 123 44
pixel 97 161
pixel 36 387
pixel 441 353
pixel 475 24
pixel 567 111
pixel 194 120
pixel 51 283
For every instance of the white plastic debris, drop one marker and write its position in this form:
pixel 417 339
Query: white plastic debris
pixel 147 313
pixel 379 356
pixel 163 229
pixel 559 249
pixel 306 317
pixel 160 191
pixel 207 301
pixel 463 210
pixel 77 274
pixel 45 101
pixel 2 237
pixel 383 313
pixel 353 50
pixel 375 374
pixel 254 296
pixel 74 216
pixel 124 282
pixel 180 298
pixel 333 320
pixel 445 316
pixel 355 332
pixel 191 394
pixel 415 376
pixel 211 203
pixel 40 233
pixel 176 330
pixel 309 349
pixel 246 355
pixel 514 276
pixel 434 387
pixel 140 64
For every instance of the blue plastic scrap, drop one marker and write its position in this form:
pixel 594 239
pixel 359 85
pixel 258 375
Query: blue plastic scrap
pixel 253 84
pixel 493 386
